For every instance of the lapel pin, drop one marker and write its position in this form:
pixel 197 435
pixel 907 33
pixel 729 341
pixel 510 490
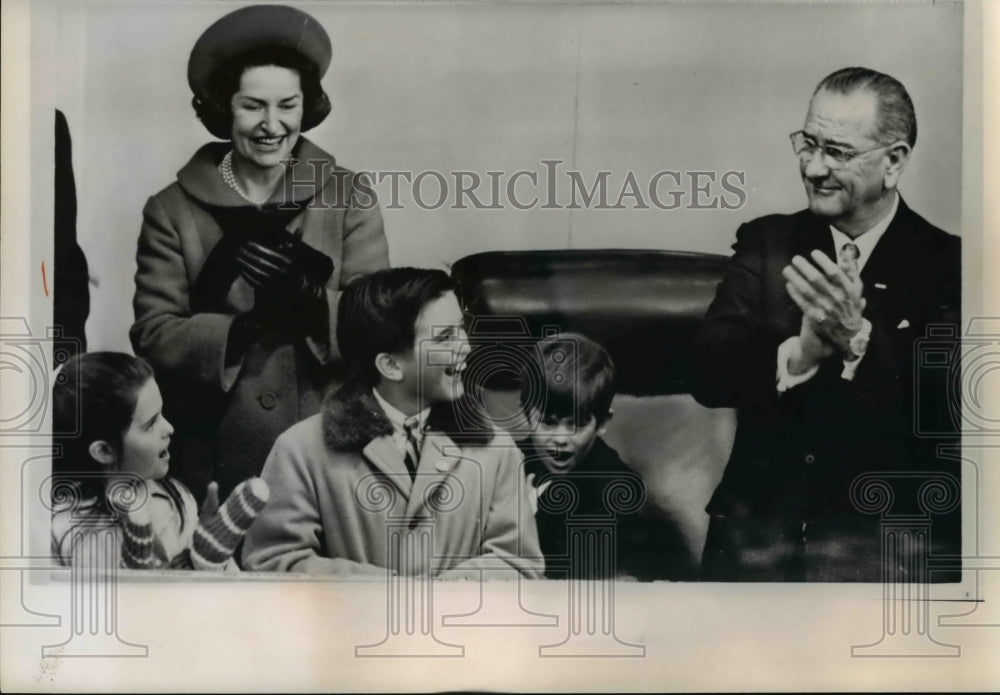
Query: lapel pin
pixel 903 324
pixel 879 286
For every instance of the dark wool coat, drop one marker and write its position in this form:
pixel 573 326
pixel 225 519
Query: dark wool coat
pixel 600 492
pixel 227 416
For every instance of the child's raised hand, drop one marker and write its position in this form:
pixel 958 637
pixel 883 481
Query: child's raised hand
pixel 218 534
pixel 207 515
pixel 210 506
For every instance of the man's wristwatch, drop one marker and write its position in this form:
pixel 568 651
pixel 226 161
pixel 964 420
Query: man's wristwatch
pixel 858 343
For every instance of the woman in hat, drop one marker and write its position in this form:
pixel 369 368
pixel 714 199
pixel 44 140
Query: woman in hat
pixel 242 259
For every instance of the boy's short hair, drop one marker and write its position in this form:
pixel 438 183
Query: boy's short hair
pixel 572 376
pixel 378 313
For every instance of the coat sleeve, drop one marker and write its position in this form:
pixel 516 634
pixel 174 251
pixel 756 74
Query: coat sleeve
pixel 510 534
pixel 178 343
pixel 287 534
pixel 734 362
pixel 365 250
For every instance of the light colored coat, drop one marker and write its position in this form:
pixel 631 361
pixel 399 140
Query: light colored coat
pixel 341 496
pixel 228 416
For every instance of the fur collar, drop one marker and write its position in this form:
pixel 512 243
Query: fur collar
pixel 352 418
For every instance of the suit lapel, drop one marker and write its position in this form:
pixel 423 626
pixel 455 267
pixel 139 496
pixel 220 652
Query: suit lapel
pixel 384 455
pixel 312 174
pixel 884 275
pixel 438 456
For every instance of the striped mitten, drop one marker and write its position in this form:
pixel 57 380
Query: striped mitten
pixel 216 538
pixel 137 539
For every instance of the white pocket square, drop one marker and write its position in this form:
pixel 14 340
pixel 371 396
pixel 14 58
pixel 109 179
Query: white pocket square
pixel 903 324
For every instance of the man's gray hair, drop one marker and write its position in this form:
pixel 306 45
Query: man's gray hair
pixel 895 118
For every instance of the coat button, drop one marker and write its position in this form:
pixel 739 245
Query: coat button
pixel 268 400
pixel 810 458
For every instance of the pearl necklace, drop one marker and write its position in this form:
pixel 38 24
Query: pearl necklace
pixel 226 169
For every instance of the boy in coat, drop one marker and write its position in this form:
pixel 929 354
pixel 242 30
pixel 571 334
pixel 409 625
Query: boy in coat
pixel 579 482
pixel 396 451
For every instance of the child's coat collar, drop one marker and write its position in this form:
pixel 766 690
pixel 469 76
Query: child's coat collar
pixel 352 418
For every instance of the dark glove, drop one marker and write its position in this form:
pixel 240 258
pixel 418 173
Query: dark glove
pixel 272 273
pixel 288 280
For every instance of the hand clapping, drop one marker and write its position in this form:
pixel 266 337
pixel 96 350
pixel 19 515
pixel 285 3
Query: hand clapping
pixel 832 302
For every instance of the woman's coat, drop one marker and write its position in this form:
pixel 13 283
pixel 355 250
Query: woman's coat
pixel 228 409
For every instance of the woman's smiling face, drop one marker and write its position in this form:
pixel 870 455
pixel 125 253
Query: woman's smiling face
pixel 267 115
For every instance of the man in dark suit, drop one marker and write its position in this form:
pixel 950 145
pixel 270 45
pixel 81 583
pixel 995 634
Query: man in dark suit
pixel 812 336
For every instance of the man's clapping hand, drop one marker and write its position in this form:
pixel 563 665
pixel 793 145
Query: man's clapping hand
pixel 832 303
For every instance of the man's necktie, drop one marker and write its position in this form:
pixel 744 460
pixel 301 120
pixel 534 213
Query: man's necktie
pixel 412 456
pixel 848 259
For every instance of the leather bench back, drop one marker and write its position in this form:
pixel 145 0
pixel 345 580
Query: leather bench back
pixel 642 306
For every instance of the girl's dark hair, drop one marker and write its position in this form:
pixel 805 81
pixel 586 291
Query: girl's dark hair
pixel 216 112
pixel 93 399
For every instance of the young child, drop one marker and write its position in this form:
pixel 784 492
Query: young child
pixel 397 448
pixel 111 474
pixel 566 397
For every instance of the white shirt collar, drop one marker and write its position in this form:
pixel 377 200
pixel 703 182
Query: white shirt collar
pixel 866 241
pixel 396 416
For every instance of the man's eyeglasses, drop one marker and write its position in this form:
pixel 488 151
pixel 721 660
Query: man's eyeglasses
pixel 806 146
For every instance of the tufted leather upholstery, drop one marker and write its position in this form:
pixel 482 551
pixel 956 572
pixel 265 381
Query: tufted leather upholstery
pixel 642 306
